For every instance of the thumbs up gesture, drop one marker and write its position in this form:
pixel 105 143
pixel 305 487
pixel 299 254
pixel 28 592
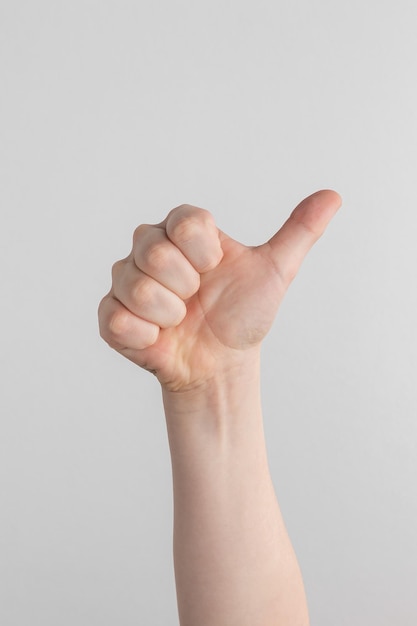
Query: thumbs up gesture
pixel 189 301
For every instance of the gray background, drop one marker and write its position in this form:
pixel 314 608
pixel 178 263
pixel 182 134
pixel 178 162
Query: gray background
pixel 111 114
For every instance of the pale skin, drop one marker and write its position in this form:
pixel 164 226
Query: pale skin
pixel 192 305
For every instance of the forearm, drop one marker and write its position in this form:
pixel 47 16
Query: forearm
pixel 185 303
pixel 234 563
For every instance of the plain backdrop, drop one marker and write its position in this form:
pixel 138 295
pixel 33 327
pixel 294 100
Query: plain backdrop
pixel 111 114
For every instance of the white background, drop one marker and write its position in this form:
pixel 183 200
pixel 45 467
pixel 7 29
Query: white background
pixel 111 114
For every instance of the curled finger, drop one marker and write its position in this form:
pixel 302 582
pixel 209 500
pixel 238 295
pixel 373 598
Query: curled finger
pixel 121 329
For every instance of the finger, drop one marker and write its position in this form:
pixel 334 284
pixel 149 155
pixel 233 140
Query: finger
pixel 194 232
pixel 121 329
pixel 145 297
pixel 303 228
pixel 160 259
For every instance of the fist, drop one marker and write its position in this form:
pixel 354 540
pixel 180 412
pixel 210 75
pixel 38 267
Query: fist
pixel 189 300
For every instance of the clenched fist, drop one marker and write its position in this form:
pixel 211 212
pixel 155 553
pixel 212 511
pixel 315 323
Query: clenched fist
pixel 189 301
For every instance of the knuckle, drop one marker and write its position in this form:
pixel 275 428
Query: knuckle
pixel 142 292
pixel 184 229
pixel 157 257
pixel 187 221
pixel 118 324
pixel 116 269
pixel 113 327
pixel 307 225
pixel 182 209
pixel 139 232
pixel 206 217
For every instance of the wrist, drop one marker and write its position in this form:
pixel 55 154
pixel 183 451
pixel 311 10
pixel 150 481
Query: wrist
pixel 215 431
pixel 227 389
pixel 221 416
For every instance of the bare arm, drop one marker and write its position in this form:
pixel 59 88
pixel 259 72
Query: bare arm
pixel 193 306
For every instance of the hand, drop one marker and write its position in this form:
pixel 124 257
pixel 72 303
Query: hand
pixel 189 301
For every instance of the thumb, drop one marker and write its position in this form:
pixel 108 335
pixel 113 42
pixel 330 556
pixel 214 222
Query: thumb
pixel 302 229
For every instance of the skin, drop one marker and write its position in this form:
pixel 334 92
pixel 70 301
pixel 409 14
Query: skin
pixel 193 305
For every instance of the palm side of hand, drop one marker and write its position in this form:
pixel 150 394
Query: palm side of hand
pixel 231 312
pixel 236 301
